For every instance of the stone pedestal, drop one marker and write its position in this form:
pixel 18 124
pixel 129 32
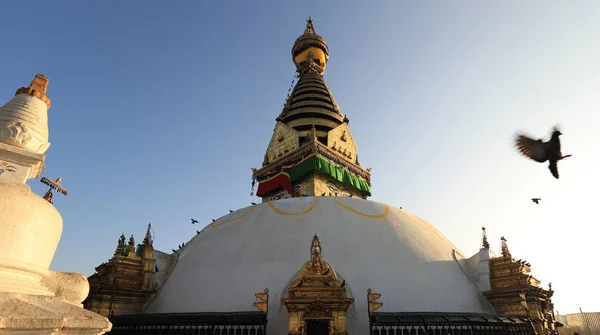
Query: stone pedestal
pixel 38 314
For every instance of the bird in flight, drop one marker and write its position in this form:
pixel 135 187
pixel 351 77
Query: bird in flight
pixel 541 151
pixel 194 221
pixel 536 200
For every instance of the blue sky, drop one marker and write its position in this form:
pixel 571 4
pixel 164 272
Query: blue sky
pixel 160 109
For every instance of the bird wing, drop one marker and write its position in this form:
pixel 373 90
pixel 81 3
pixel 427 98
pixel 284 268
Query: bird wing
pixel 531 148
pixel 553 168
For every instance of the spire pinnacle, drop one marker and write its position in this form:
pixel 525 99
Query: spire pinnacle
pixel 484 243
pixel 148 237
pixel 504 248
pixel 120 245
pixel 310 29
pixel 310 43
pixel 37 88
pixel 131 241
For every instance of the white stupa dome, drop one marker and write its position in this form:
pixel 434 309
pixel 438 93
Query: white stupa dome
pixel 369 244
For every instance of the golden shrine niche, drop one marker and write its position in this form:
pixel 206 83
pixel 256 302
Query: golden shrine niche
pixel 317 301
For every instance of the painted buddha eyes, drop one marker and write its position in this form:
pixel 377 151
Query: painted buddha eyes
pixel 4 167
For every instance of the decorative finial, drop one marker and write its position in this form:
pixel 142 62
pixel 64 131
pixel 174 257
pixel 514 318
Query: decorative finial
pixel 504 248
pixel 132 241
pixel 37 88
pixel 315 253
pixel 120 246
pixel 148 237
pixel 54 185
pixel 550 286
pixel 485 243
pixel 310 29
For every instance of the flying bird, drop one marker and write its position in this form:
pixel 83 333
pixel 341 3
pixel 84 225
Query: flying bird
pixel 536 200
pixel 541 151
pixel 194 221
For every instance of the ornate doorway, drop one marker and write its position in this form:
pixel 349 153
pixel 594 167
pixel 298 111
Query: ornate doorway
pixel 317 327
pixel 317 300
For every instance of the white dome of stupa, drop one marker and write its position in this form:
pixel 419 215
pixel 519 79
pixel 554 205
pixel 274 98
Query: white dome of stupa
pixel 369 244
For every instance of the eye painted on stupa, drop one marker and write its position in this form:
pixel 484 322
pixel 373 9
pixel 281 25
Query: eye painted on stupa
pixel 277 196
pixel 332 187
pixel 346 193
pixel 4 167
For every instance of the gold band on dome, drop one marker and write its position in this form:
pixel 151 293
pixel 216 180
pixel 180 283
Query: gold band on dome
pixel 386 211
pixel 241 216
pixel 278 211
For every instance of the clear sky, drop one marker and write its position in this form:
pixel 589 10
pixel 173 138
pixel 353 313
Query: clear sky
pixel 160 109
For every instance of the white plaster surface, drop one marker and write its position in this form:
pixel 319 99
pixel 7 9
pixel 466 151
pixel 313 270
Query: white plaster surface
pixel 165 263
pixel 479 266
pixel 30 229
pixel 401 256
pixel 24 123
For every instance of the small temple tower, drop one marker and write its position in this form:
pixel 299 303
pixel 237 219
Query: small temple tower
pixel 311 152
pixel 125 283
pixel 33 299
pixel 317 300
pixel 514 291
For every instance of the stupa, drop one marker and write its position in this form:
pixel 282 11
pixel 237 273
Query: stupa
pixel 33 299
pixel 315 256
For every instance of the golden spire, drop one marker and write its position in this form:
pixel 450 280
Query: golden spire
pixel 37 88
pixel 313 45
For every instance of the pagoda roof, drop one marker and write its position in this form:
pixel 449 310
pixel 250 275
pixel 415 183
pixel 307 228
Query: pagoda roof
pixel 311 103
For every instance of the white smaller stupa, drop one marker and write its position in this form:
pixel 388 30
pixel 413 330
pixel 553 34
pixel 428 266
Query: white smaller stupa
pixel 33 299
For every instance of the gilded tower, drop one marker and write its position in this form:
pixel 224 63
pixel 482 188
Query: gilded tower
pixel 311 152
pixel 125 283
